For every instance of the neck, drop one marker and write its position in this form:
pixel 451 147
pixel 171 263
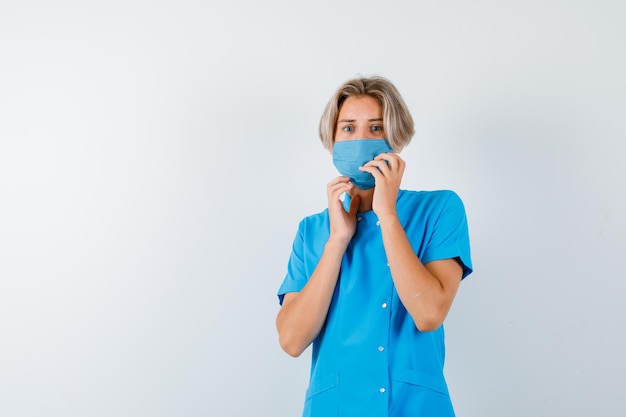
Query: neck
pixel 367 196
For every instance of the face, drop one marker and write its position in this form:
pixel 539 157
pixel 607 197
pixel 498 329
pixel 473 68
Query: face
pixel 360 118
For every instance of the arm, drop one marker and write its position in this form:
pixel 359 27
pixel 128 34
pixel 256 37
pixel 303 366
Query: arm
pixel 426 291
pixel 303 313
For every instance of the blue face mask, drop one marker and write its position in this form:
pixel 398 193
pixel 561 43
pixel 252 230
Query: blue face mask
pixel 349 155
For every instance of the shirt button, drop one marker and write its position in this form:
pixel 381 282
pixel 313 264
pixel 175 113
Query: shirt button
pixel 381 348
pixel 358 219
pixel 382 390
pixel 378 223
pixel 384 305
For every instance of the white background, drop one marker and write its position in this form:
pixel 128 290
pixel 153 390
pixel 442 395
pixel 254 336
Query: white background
pixel 156 157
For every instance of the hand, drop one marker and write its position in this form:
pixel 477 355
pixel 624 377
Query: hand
pixel 342 223
pixel 387 169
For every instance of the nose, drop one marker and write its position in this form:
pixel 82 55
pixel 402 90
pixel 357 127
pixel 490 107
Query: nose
pixel 364 132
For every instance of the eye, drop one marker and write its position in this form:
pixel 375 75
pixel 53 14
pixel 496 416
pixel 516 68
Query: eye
pixel 377 128
pixel 348 128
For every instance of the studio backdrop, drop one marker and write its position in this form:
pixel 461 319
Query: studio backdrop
pixel 156 158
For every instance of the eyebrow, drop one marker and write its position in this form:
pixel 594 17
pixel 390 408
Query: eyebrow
pixel 379 119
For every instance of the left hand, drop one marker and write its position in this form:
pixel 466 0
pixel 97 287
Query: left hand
pixel 387 169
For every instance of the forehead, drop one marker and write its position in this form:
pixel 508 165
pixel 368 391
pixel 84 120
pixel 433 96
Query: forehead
pixel 360 106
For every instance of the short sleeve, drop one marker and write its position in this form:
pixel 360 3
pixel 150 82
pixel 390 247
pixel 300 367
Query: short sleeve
pixel 450 237
pixel 296 277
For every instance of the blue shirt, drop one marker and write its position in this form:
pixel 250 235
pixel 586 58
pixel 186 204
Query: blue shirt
pixel 369 358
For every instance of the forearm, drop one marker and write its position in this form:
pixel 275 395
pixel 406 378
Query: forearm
pixel 303 314
pixel 423 294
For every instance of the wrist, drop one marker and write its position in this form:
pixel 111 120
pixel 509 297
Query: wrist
pixel 339 244
pixel 389 219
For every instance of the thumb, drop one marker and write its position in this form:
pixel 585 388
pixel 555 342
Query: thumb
pixel 354 205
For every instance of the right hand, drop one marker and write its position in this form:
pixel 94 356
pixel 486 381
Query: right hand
pixel 342 222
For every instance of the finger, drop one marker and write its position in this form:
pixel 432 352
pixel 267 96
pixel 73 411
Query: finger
pixel 335 190
pixel 339 184
pixel 378 165
pixel 393 160
pixel 373 170
pixel 338 180
pixel 388 155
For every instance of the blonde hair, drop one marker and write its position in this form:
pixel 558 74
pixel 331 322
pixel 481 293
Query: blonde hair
pixel 397 121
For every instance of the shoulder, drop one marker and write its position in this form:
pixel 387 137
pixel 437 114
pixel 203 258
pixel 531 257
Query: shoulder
pixel 430 207
pixel 313 231
pixel 314 221
pixel 428 199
